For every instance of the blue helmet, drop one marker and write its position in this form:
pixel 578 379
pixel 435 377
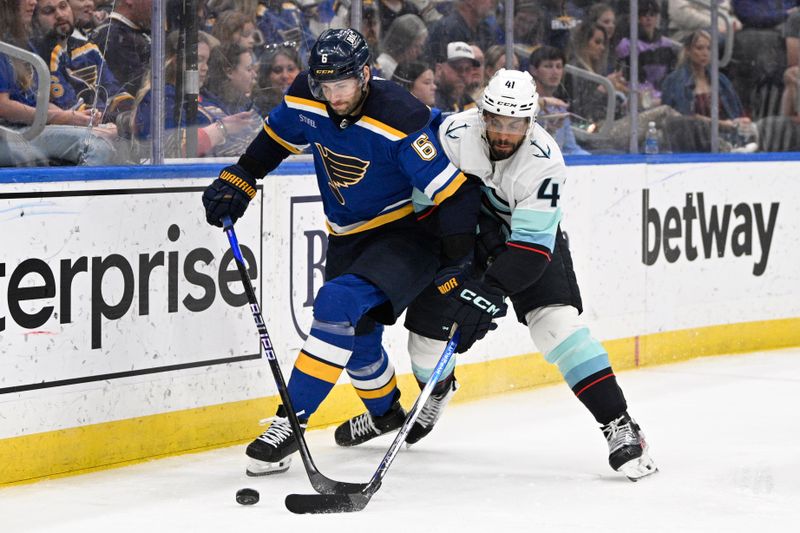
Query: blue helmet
pixel 338 54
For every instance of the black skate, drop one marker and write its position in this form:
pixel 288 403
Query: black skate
pixel 271 452
pixel 627 448
pixel 432 410
pixel 364 427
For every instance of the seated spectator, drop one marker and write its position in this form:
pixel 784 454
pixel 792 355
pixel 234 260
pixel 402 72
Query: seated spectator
pixel 233 27
pixel 62 140
pixel 478 80
pixel 279 66
pixel 228 91
pixel 391 10
pixel 657 54
pixel 124 42
pixel 370 20
pixel 79 76
pixel 495 59
pixel 418 79
pixel 759 54
pixel 686 16
pixel 546 65
pixel 470 21
pixel 402 43
pixel 452 77
pixel 688 91
pixel 212 132
pixel 283 21
pixel 230 79
pixel 83 13
pixel 589 53
pixel 604 15
pixel 529 29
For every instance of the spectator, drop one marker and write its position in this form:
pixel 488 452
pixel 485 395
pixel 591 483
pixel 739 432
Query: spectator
pixel 478 78
pixel 495 59
pixel 124 42
pixel 603 15
pixel 228 92
pixel 546 65
pixel 391 10
pixel 83 13
pixel 78 71
pixel 211 132
pixel 452 77
pixel 61 140
pixel 427 10
pixel 230 80
pixel 279 67
pixel 402 43
pixel 284 21
pixel 688 91
pixel 467 22
pixel 418 79
pixel 370 20
pixel 759 53
pixel 686 16
pixel 657 54
pixel 529 29
pixel 233 27
pixel 589 53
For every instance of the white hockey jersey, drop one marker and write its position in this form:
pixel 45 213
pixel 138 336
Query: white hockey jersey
pixel 523 192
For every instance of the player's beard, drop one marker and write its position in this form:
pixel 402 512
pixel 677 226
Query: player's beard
pixel 503 149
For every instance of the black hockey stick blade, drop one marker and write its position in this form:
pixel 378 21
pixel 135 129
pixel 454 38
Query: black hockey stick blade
pixel 327 503
pixel 326 485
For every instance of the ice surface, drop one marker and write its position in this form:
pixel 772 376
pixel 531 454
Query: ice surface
pixel 724 431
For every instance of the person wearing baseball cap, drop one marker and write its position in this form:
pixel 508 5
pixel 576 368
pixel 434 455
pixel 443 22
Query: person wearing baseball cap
pixel 452 77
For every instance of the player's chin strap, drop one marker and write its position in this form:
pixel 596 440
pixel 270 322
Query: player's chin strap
pixel 358 500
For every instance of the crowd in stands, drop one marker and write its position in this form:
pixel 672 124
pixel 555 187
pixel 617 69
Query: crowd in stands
pixel 579 52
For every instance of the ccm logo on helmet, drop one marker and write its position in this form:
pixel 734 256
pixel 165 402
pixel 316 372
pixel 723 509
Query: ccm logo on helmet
pixel 321 71
pixel 507 104
pixel 480 302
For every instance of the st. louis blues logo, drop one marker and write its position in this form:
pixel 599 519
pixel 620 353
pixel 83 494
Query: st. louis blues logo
pixel 343 170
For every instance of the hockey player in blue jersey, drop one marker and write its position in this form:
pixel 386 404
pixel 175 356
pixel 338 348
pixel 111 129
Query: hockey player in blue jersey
pixel 522 254
pixel 372 143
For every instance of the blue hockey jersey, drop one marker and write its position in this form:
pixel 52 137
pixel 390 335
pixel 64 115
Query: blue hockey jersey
pixel 366 170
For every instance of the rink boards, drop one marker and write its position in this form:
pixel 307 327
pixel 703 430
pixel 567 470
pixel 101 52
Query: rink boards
pixel 124 335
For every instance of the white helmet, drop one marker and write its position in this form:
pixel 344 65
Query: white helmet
pixel 511 93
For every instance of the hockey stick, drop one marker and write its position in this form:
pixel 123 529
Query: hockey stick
pixel 358 500
pixel 321 484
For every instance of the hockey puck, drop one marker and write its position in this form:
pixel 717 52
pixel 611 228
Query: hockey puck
pixel 247 496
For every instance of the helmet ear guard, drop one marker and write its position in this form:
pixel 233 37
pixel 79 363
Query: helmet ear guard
pixel 338 54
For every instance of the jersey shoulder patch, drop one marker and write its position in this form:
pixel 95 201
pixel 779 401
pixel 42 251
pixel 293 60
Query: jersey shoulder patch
pixel 395 107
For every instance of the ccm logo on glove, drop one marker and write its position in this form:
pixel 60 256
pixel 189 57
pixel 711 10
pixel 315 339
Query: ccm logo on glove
pixel 480 302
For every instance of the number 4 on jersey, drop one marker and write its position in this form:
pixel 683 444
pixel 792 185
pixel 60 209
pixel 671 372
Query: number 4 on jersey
pixel 553 196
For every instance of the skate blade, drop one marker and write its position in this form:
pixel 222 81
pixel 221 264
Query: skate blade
pixel 639 468
pixel 256 468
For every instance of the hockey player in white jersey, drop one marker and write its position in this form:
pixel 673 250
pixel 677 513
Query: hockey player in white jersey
pixel 521 254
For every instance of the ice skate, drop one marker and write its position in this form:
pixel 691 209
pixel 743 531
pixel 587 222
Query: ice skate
pixel 364 427
pixel 627 448
pixel 431 412
pixel 270 453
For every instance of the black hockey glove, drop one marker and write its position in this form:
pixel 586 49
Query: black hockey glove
pixel 474 305
pixel 228 195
